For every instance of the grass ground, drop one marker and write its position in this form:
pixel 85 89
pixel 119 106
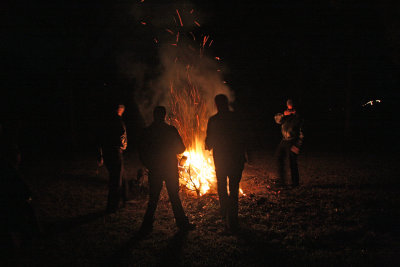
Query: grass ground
pixel 346 212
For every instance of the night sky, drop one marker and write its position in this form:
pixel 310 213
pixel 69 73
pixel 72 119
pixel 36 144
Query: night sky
pixel 61 63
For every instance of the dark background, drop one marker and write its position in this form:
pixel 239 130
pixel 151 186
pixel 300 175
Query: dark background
pixel 61 75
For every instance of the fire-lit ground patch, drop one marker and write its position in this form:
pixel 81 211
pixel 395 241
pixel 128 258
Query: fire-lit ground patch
pixel 344 213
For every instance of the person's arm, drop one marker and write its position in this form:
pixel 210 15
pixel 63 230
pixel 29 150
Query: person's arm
pixel 243 130
pixel 279 118
pixel 180 147
pixel 299 141
pixel 100 160
pixel 99 141
pixel 209 136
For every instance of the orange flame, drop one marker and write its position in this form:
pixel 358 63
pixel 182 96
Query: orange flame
pixel 189 113
pixel 197 172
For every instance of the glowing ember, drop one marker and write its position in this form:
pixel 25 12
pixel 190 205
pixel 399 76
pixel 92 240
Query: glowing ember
pixel 179 16
pixel 242 193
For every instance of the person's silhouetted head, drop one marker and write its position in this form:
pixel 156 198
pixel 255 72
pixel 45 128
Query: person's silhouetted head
pixel 290 108
pixel 120 109
pixel 159 113
pixel 221 101
pixel 289 103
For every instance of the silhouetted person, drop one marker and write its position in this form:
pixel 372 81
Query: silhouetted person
pixel 292 140
pixel 225 137
pixel 113 141
pixel 18 221
pixel 159 147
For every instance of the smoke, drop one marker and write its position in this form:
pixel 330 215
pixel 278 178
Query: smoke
pixel 185 61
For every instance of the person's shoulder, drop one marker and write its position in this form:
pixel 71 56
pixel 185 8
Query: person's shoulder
pixel 110 116
pixel 171 128
pixel 163 127
pixel 146 131
pixel 234 114
pixel 213 117
pixel 112 119
pixel 298 116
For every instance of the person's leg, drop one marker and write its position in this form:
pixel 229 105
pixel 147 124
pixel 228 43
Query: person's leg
pixel 172 184
pixel 124 191
pixel 294 170
pixel 155 186
pixel 234 181
pixel 222 193
pixel 281 160
pixel 124 186
pixel 112 161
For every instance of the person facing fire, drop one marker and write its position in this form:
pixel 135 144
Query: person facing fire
pixel 113 141
pixel 292 140
pixel 159 146
pixel 225 137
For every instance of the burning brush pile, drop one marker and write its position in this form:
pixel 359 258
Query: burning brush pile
pixel 190 78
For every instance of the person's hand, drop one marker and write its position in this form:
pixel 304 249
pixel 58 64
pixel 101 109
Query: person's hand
pixel 295 149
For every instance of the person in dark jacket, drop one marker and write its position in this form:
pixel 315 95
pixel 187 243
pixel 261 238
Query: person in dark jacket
pixel 18 220
pixel 159 146
pixel 225 137
pixel 292 140
pixel 113 141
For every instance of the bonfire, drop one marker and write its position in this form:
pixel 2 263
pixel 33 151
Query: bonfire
pixel 188 72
